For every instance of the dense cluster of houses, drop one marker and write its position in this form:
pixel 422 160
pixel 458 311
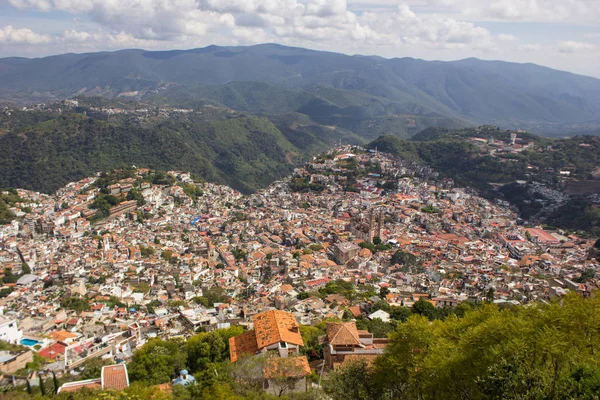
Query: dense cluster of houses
pixel 173 264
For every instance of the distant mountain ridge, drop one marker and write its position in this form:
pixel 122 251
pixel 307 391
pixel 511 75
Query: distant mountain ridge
pixel 466 92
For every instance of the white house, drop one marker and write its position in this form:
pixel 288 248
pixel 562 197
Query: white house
pixel 382 315
pixel 9 332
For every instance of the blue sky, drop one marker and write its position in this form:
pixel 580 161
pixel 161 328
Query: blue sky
pixel 562 34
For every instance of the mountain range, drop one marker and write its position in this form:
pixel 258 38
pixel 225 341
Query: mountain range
pixel 366 94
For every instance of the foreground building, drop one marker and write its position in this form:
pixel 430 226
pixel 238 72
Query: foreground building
pixel 113 377
pixel 276 333
pixel 273 331
pixel 346 343
pixel 9 331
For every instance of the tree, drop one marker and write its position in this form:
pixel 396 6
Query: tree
pixel 158 361
pixel 93 368
pixel 352 381
pixel 379 328
pixel 166 255
pixel 303 295
pixel 25 269
pixel 205 348
pixel 424 308
pixel 384 291
pixel 147 251
pixel 367 245
pixel 489 296
pixel 408 260
pixel 544 351
pixel 55 381
pixel 399 313
pixel 283 374
pixel 42 385
pixel 248 373
pixel 75 303
pixel 216 294
pixel 310 336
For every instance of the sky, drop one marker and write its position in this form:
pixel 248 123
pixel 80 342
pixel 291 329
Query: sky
pixel 562 34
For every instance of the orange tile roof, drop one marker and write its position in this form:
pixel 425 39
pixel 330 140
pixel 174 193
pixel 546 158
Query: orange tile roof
pixel 286 288
pixel 61 336
pixel 355 310
pixel 276 326
pixel 115 377
pixel 242 344
pixel 53 351
pixel 291 367
pixel 342 333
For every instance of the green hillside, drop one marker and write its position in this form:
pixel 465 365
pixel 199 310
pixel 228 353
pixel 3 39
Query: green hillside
pixel 451 152
pixel 367 115
pixel 241 150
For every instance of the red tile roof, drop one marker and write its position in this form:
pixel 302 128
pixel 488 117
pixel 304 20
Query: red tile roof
pixel 270 327
pixel 292 367
pixel 342 334
pixel 242 344
pixel 53 351
pixel 276 326
pixel 115 377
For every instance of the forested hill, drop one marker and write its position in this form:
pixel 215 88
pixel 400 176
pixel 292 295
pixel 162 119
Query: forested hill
pixel 471 158
pixel 43 150
pixel 555 181
pixel 344 88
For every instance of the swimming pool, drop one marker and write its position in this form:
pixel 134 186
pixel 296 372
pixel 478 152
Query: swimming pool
pixel 29 342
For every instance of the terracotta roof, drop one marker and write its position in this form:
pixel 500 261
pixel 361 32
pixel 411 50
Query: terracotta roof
pixel 115 377
pixel 286 288
pixel 355 310
pixel 242 344
pixel 61 336
pixel 53 351
pixel 164 387
pixel 276 326
pixel 342 333
pixel 291 367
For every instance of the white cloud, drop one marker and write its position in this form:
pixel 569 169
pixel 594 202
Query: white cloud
pixel 575 47
pixel 507 38
pixel 524 10
pixel 24 36
pixel 43 5
pixel 530 47
pixel 306 20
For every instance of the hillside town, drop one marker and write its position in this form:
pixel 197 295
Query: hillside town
pixel 113 260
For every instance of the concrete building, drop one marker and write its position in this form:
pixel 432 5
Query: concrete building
pixel 345 251
pixel 9 331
